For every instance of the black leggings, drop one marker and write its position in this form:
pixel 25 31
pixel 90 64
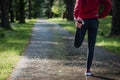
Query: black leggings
pixel 91 25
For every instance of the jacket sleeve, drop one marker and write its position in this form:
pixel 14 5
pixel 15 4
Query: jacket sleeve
pixel 107 7
pixel 77 9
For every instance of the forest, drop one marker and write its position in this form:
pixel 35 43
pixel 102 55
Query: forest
pixel 19 10
pixel 12 10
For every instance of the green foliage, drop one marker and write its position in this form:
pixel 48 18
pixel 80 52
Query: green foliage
pixel 55 10
pixel 44 8
pixel 58 7
pixel 36 8
pixel 110 43
pixel 12 46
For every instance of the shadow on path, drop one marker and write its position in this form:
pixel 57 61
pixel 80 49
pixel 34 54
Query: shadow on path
pixel 103 78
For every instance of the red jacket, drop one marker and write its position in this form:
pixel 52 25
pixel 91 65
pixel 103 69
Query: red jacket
pixel 85 9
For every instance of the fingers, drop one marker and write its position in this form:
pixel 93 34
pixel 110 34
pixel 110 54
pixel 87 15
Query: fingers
pixel 78 25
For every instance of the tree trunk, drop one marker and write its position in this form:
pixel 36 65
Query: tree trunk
pixel 17 14
pixel 11 8
pixel 116 18
pixel 36 7
pixel 4 15
pixel 0 14
pixel 50 6
pixel 69 9
pixel 29 10
pixel 22 11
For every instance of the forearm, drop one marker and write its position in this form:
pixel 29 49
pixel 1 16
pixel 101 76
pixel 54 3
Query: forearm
pixel 105 12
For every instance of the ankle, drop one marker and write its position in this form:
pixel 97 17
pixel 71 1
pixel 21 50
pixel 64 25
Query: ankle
pixel 88 72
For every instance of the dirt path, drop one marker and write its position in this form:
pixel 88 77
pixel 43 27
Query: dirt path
pixel 50 55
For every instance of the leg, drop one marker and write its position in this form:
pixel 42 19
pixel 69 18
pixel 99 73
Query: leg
pixel 79 36
pixel 92 32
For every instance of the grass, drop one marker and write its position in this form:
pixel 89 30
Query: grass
pixel 12 46
pixel 67 25
pixel 110 43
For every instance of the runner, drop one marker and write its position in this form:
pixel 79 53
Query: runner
pixel 86 18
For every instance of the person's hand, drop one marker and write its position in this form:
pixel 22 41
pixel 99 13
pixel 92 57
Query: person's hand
pixel 78 25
